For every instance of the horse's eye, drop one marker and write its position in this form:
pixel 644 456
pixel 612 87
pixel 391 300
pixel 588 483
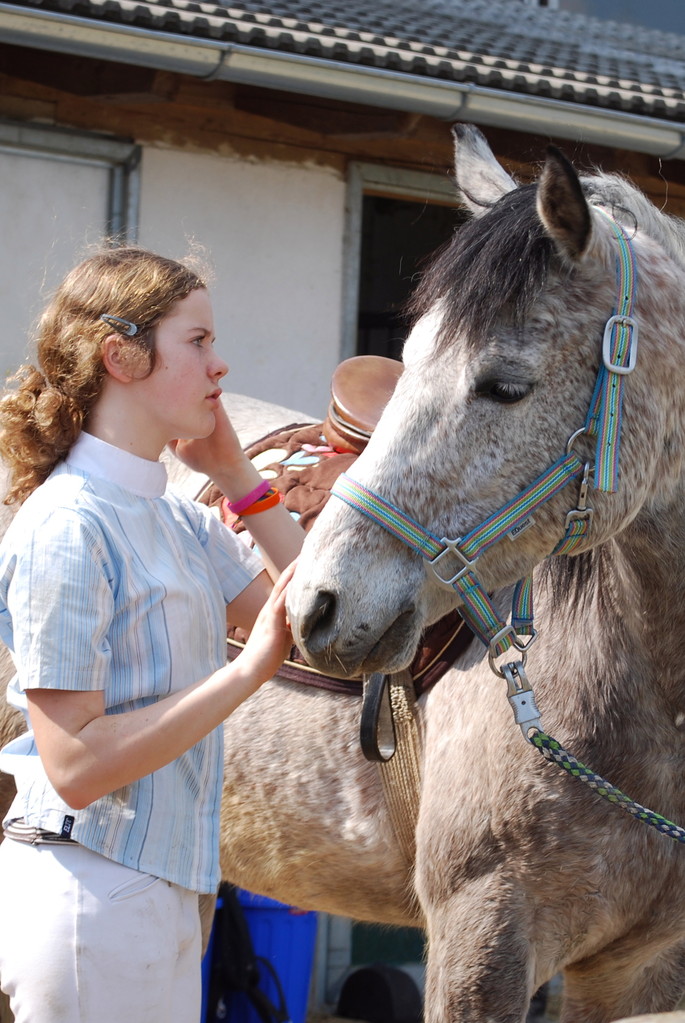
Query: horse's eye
pixel 506 392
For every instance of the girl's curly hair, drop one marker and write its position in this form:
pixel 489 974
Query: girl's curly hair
pixel 44 411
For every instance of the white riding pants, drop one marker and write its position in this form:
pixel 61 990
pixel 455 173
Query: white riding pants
pixel 86 940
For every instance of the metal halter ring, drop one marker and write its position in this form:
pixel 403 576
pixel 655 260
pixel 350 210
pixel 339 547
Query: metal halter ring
pixel 516 642
pixel 573 438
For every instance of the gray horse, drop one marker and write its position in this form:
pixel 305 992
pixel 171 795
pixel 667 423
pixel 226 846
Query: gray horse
pixel 521 871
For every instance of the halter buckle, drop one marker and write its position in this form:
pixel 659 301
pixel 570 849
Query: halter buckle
pixel 579 514
pixel 451 546
pixel 624 321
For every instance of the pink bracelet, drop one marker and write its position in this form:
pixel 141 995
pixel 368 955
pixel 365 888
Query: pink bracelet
pixel 239 506
pixel 270 500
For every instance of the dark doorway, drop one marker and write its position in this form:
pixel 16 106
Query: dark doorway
pixel 398 236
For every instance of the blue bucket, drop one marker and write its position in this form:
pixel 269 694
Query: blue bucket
pixel 284 935
pixel 207 970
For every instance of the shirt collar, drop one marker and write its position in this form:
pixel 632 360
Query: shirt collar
pixel 105 461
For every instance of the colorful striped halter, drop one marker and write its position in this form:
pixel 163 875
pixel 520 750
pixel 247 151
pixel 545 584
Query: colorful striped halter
pixel 454 561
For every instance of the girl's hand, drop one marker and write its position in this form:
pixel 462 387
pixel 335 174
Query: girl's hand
pixel 270 640
pixel 220 450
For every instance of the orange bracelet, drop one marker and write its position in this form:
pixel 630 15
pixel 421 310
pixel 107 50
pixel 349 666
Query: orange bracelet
pixel 270 499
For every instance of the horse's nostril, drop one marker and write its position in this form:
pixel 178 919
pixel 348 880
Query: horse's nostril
pixel 319 617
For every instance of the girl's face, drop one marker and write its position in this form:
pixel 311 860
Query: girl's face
pixel 182 393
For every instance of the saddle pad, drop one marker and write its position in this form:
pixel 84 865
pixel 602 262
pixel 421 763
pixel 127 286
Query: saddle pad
pixel 303 467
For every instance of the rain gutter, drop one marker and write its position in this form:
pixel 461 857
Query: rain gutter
pixel 451 101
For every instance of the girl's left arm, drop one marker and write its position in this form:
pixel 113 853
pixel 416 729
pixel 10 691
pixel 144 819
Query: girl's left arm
pixel 88 753
pixel 221 457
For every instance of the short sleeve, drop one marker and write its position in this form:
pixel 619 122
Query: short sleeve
pixel 59 604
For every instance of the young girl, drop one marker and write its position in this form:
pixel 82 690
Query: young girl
pixel 113 600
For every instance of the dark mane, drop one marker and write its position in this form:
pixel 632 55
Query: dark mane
pixel 571 579
pixel 496 263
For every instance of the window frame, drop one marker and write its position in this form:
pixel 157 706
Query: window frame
pixel 392 182
pixel 119 156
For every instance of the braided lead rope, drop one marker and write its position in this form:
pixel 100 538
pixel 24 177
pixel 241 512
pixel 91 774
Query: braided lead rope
pixel 553 752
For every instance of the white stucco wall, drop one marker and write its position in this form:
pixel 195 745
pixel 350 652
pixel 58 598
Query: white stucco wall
pixel 273 233
pixel 50 211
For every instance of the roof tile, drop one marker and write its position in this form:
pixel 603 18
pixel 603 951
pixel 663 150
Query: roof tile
pixel 499 44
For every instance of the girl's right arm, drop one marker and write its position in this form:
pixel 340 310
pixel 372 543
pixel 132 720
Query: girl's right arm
pixel 221 457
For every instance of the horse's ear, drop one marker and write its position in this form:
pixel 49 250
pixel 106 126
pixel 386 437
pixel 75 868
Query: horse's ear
pixel 479 178
pixel 562 207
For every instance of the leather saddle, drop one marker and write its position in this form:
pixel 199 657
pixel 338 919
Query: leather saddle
pixel 360 389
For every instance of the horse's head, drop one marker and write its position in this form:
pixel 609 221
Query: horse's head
pixel 500 370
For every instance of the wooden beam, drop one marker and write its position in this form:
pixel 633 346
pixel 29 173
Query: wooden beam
pixel 157 107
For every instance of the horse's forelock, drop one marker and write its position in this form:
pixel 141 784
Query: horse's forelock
pixel 496 264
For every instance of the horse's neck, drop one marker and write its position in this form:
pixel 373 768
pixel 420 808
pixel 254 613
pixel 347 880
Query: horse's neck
pixel 623 603
pixel 649 560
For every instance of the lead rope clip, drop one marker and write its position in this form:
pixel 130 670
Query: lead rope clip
pixel 521 698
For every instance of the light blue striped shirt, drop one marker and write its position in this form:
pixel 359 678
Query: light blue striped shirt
pixel 110 582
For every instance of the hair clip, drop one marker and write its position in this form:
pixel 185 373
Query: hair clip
pixel 121 326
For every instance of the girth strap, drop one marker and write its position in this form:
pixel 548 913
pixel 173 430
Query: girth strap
pixel 389 735
pixel 401 776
